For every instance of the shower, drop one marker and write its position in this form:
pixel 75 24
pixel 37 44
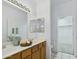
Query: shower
pixel 63 46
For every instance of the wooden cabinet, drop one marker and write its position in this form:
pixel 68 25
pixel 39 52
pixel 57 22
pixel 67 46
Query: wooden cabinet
pixel 36 52
pixel 15 56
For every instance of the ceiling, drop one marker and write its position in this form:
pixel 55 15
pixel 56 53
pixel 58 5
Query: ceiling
pixel 58 2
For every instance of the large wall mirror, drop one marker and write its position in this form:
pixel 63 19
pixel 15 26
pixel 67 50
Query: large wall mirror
pixel 14 23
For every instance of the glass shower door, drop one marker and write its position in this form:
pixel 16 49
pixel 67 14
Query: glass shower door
pixel 65 35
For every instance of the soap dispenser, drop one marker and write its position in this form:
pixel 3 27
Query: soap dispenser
pixel 17 38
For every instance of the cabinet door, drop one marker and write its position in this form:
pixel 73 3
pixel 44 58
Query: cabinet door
pixel 16 56
pixel 26 54
pixel 28 57
pixel 43 51
pixel 36 55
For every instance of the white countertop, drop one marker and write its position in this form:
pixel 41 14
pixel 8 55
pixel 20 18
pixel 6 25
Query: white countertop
pixel 6 52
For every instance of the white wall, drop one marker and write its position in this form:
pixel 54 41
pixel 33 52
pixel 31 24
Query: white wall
pixel 43 10
pixel 61 10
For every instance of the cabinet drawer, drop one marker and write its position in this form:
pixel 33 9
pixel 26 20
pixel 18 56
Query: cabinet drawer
pixel 26 53
pixel 35 48
pixel 15 56
pixel 44 43
pixel 40 45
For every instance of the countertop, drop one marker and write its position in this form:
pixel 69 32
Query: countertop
pixel 6 52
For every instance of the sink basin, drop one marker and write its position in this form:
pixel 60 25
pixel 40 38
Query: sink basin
pixel 6 45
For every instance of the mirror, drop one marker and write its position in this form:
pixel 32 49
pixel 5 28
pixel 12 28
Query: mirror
pixel 14 24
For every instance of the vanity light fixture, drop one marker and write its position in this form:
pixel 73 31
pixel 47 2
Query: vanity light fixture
pixel 19 5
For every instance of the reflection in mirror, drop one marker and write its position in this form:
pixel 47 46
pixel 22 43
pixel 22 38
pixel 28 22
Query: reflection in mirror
pixel 14 24
pixel 17 31
pixel 13 31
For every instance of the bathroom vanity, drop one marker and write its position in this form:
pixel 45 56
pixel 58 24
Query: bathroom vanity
pixel 36 51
